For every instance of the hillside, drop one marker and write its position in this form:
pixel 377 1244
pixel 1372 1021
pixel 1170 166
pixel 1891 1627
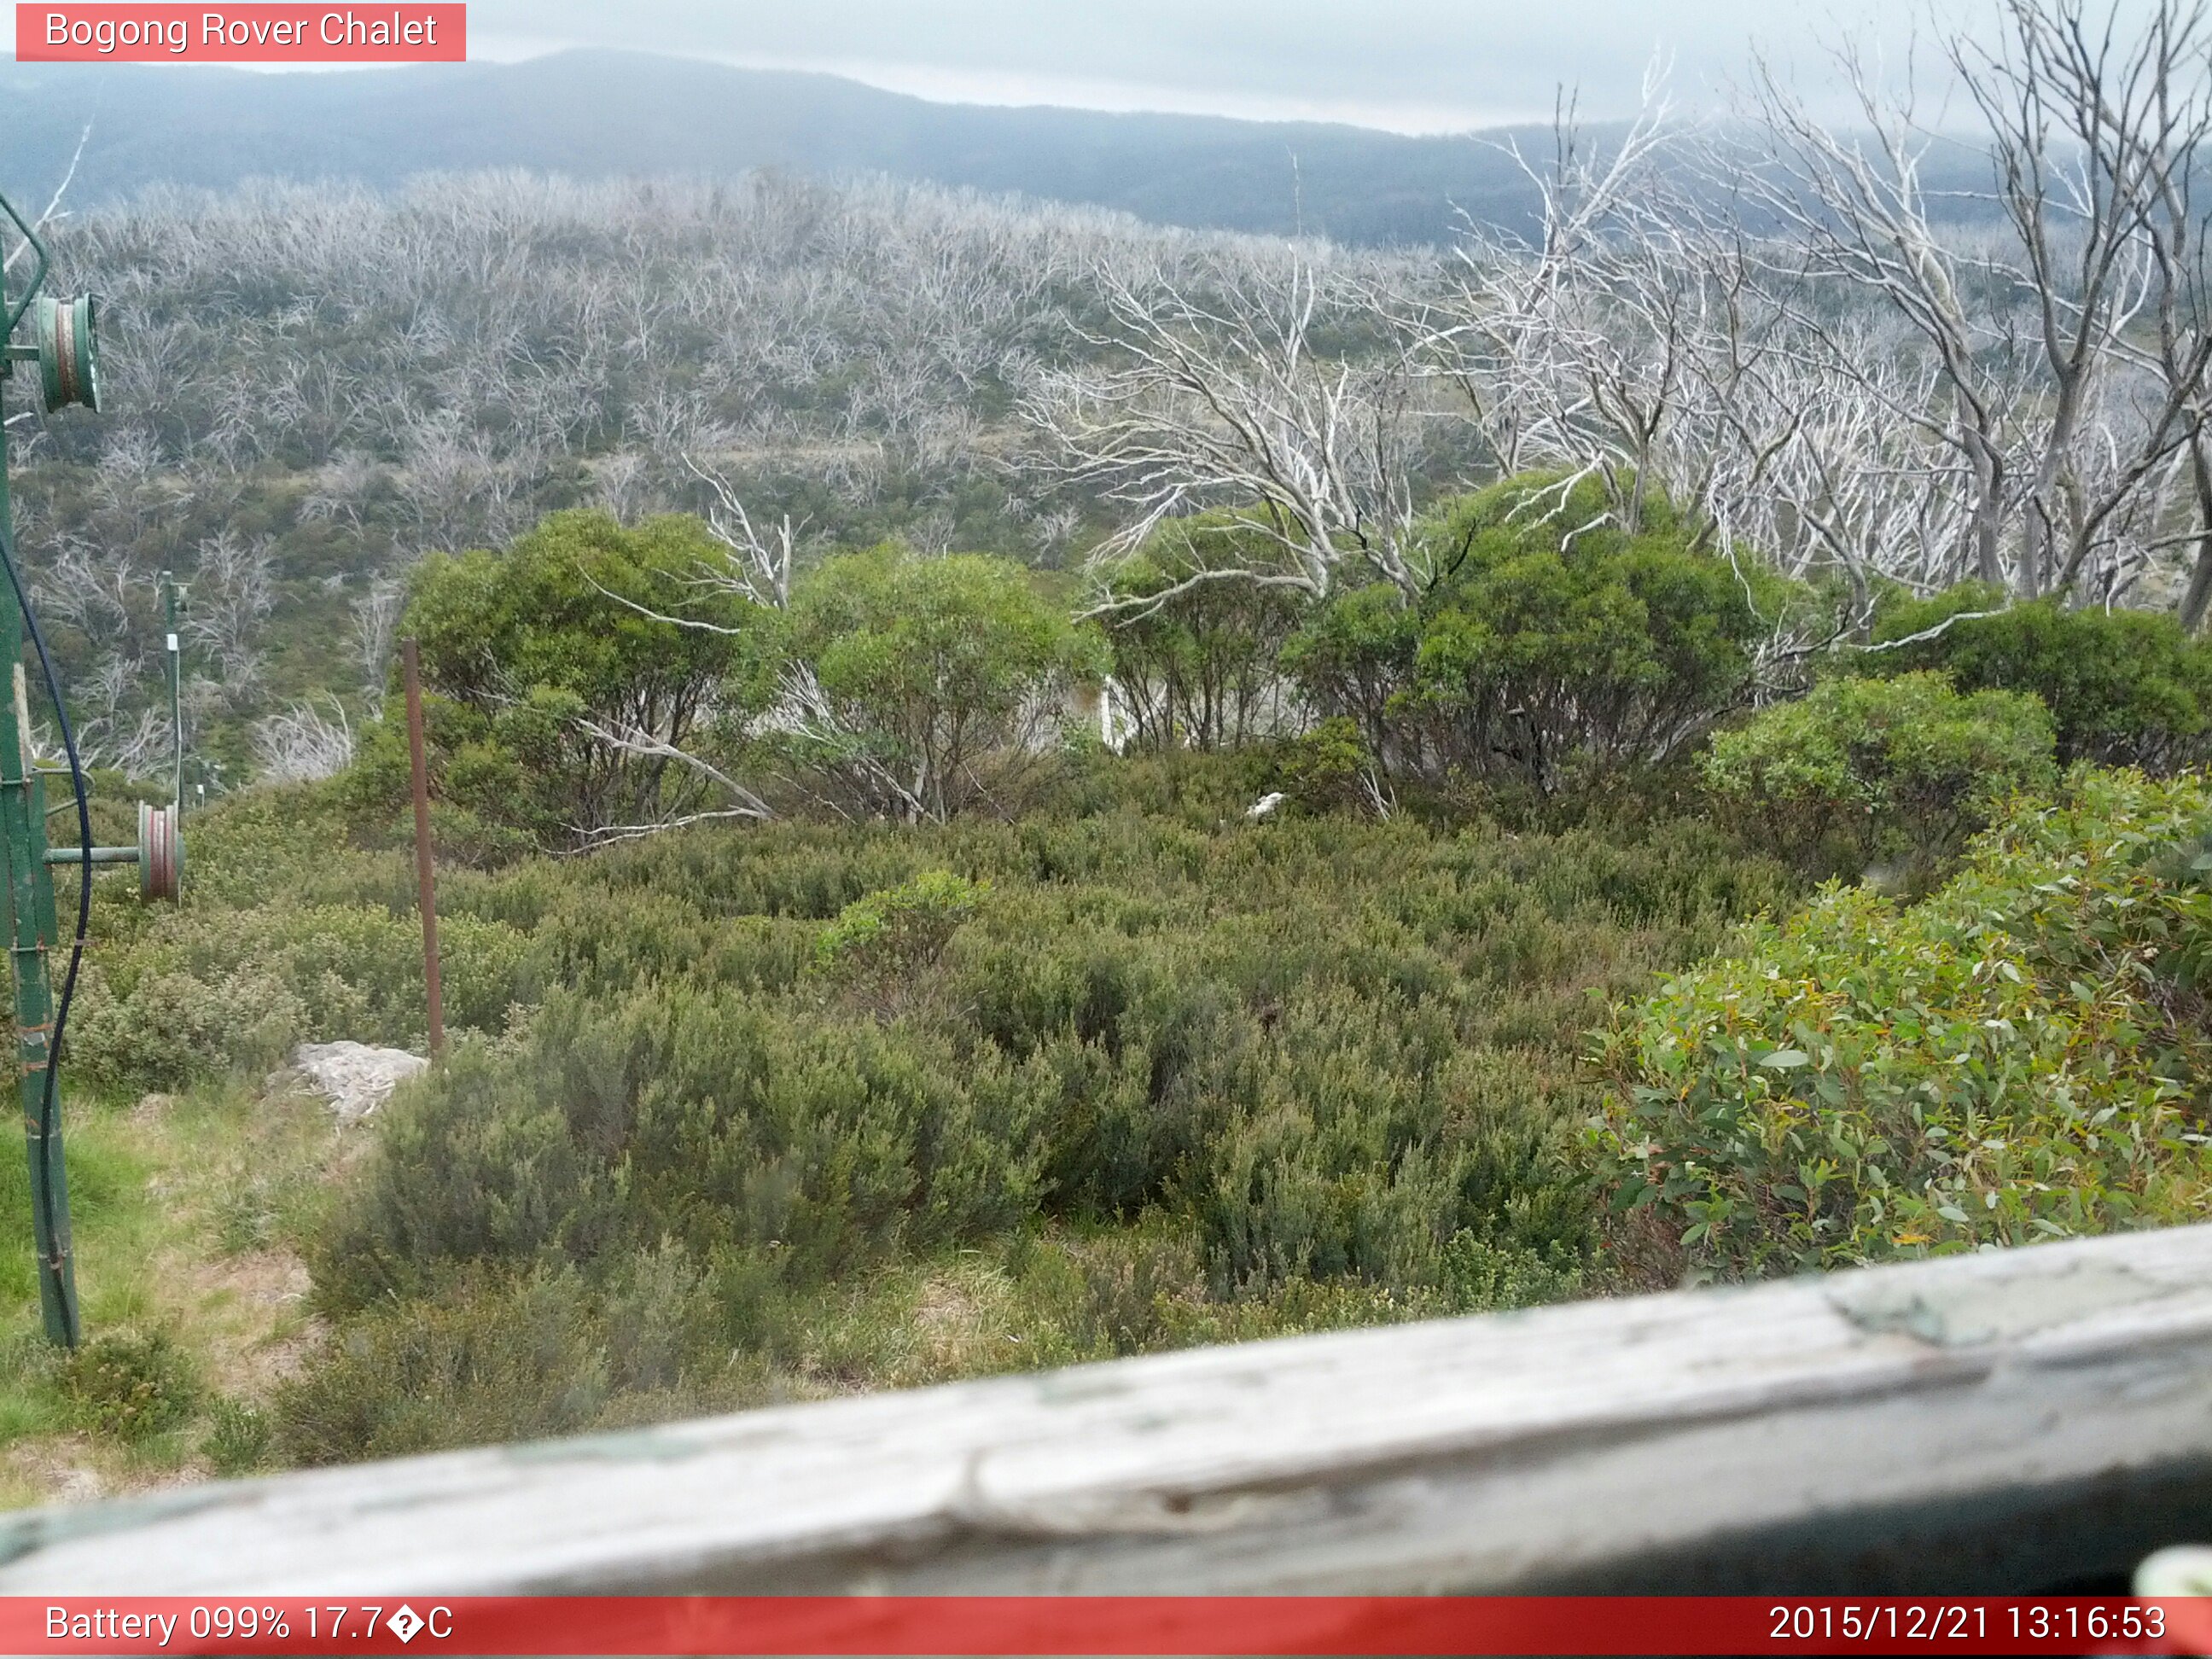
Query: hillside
pixel 609 115
pixel 308 388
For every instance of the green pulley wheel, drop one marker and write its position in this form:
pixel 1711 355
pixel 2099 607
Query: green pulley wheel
pixel 69 356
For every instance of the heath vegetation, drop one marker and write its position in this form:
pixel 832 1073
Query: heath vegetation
pixel 1013 788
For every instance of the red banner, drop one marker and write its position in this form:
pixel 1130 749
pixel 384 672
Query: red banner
pixel 977 1625
pixel 241 34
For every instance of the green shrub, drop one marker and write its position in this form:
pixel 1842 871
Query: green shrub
pixel 1553 647
pixel 131 1384
pixel 2021 1056
pixel 2125 688
pixel 569 627
pixel 240 1438
pixel 1354 657
pixel 941 679
pixel 175 1027
pixel 1900 771
pixel 1199 668
pixel 697 1116
pixel 494 1356
pixel 486 1362
pixel 898 933
pixel 1330 768
pixel 1479 1277
pixel 192 999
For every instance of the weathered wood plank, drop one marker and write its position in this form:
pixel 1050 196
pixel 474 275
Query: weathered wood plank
pixel 2005 1420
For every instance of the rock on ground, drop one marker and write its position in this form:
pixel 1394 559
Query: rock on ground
pixel 357 1077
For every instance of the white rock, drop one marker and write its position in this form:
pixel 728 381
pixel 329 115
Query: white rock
pixel 1265 805
pixel 357 1077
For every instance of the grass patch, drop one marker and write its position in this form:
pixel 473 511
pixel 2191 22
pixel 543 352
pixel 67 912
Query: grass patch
pixel 188 1213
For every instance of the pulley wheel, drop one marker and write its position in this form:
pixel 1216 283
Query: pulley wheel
pixel 69 351
pixel 161 853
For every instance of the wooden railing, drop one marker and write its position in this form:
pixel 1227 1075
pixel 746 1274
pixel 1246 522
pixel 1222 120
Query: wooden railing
pixel 2027 1420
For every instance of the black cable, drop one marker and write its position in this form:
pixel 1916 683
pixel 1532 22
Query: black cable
pixel 47 1105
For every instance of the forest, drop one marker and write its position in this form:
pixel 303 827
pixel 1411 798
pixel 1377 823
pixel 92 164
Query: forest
pixel 1013 788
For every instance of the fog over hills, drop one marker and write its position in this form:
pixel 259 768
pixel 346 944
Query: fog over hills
pixel 597 113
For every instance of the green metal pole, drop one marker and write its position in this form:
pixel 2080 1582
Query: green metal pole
pixel 32 931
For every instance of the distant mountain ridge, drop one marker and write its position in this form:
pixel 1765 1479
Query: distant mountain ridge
pixel 597 113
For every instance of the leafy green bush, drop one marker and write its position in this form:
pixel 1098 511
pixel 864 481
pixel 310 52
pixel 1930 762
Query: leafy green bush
pixel 697 1116
pixel 940 680
pixel 2022 1056
pixel 1198 668
pixel 1900 771
pixel 1354 659
pixel 174 1027
pixel 2125 688
pixel 1553 645
pixel 1480 1277
pixel 131 1384
pixel 1561 640
pixel 901 931
pixel 570 628
pixel 1329 768
pixel 190 998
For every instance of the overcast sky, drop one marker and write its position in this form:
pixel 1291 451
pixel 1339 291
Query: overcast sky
pixel 1409 65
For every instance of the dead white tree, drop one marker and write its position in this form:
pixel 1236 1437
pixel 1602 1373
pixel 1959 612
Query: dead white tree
pixel 301 745
pixel 375 625
pixel 2092 127
pixel 759 566
pixel 1225 399
pixel 2068 423
pixel 233 591
pixel 53 212
pixel 1861 212
pixel 1570 344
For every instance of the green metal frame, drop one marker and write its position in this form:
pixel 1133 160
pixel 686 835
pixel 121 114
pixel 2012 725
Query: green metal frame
pixel 67 361
pixel 33 926
pixel 32 933
pixel 67 356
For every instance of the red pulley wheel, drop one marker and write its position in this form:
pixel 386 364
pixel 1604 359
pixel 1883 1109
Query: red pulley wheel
pixel 161 853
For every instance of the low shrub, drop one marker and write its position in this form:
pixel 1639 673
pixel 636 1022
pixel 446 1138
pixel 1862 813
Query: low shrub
pixel 240 1438
pixel 2021 1056
pixel 187 998
pixel 173 1027
pixel 2126 688
pixel 898 933
pixel 499 1356
pixel 1897 770
pixel 131 1384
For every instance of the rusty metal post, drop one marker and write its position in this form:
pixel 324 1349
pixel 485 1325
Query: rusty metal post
pixel 410 658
